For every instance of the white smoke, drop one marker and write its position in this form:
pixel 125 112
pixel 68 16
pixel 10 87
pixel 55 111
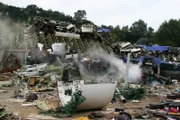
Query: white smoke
pixel 135 73
pixel 58 48
pixel 116 64
pixel 8 35
pixel 9 32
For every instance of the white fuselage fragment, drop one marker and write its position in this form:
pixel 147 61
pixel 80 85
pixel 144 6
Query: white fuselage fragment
pixel 97 95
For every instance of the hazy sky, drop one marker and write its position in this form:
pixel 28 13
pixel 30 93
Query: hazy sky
pixel 112 12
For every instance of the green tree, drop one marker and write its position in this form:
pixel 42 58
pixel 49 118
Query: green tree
pixel 116 33
pixel 125 33
pixel 104 26
pixel 27 14
pixel 125 28
pixel 138 30
pixel 32 10
pixel 150 32
pixel 111 27
pixel 168 33
pixel 144 41
pixel 80 15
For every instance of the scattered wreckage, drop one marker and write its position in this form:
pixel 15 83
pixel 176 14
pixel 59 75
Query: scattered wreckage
pixel 48 71
pixel 50 32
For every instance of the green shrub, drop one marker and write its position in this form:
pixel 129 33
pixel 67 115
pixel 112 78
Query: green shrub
pixel 132 93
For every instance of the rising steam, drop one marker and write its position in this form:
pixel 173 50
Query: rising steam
pixel 9 32
pixel 58 49
pixel 116 71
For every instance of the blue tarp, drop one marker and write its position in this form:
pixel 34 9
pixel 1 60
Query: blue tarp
pixel 154 48
pixel 167 66
pixel 142 46
pixel 124 59
pixel 156 60
pixel 106 30
pixel 139 59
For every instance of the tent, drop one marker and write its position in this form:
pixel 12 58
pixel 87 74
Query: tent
pixel 106 30
pixel 156 61
pixel 154 48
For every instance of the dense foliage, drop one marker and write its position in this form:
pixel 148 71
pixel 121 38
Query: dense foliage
pixel 137 31
pixel 131 93
pixel 169 33
pixel 27 14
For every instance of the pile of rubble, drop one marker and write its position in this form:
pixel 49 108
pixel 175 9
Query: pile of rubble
pixel 163 90
pixel 35 85
pixel 168 109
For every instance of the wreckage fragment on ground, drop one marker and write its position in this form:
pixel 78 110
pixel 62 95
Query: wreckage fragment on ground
pixel 104 92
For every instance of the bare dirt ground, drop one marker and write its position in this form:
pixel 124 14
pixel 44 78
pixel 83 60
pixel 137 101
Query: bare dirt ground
pixel 15 106
pixel 24 111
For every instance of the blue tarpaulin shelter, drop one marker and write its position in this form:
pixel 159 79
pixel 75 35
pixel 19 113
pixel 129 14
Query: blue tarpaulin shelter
pixel 106 30
pixel 167 66
pixel 154 48
pixel 156 61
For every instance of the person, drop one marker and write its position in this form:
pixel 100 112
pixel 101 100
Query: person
pixel 151 76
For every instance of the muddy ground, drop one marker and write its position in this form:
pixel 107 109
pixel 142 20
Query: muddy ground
pixel 15 106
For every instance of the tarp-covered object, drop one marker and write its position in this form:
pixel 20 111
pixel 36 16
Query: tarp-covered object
pixel 106 30
pixel 156 60
pixel 154 48
pixel 170 66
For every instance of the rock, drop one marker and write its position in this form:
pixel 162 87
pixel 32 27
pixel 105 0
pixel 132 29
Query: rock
pixel 31 97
